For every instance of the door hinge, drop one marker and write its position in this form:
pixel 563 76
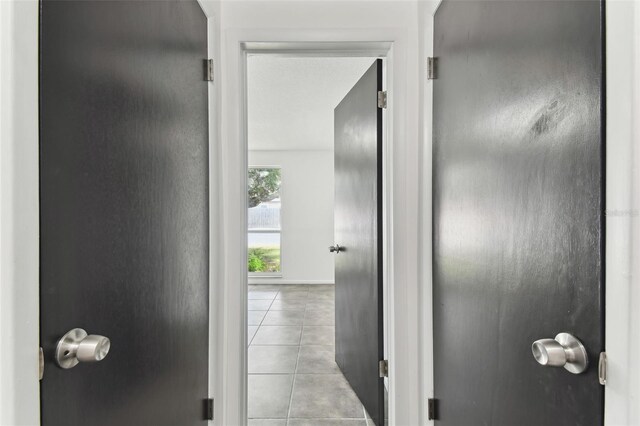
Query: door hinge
pixel 208 70
pixel 383 368
pixel 432 409
pixel 432 68
pixel 208 409
pixel 602 368
pixel 40 364
pixel 382 99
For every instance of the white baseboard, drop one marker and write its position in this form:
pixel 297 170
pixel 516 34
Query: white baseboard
pixel 274 280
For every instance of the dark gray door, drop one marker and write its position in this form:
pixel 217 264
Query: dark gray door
pixel 124 209
pixel 518 209
pixel 358 229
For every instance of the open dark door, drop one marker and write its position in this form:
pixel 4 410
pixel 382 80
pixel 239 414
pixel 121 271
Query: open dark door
pixel 124 210
pixel 358 232
pixel 518 210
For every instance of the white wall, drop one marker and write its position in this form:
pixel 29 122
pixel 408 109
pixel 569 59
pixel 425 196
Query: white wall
pixel 306 216
pixel 19 285
pixel 622 251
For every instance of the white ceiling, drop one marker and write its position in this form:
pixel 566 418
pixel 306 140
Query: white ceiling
pixel 291 100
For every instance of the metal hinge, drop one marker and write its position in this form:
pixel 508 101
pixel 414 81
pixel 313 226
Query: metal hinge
pixel 208 409
pixel 208 70
pixel 40 364
pixel 432 68
pixel 602 368
pixel 382 99
pixel 432 409
pixel 383 368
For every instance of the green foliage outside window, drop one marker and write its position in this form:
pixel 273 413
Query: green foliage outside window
pixel 264 259
pixel 264 185
pixel 256 264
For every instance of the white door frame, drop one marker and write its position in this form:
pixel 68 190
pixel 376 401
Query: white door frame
pixel 402 243
pixel 622 188
pixel 334 50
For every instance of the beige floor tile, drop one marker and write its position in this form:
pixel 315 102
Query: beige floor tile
pixel 272 359
pixel 262 295
pixel 255 317
pixel 324 396
pixel 317 360
pixel 289 305
pixel 318 335
pixel 269 395
pixel 259 305
pixel 277 335
pixel 284 318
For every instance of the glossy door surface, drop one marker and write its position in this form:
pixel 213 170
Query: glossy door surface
pixel 358 230
pixel 518 209
pixel 124 209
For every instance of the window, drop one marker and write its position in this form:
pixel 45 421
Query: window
pixel 264 220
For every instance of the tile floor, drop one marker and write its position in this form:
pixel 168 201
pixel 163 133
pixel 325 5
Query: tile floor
pixel 293 378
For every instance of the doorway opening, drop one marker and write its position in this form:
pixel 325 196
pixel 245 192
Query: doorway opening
pixel 292 374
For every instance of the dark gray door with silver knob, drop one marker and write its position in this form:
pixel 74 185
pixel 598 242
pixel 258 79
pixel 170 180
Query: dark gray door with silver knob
pixel 358 237
pixel 518 212
pixel 124 212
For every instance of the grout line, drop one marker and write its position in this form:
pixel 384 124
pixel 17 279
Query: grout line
pixel 295 370
pixel 261 321
pixel 299 346
pixel 271 304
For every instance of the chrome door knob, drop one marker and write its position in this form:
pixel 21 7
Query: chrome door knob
pixel 563 351
pixel 336 249
pixel 76 346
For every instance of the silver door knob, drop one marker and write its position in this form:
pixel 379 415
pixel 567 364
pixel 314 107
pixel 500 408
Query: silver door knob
pixel 563 351
pixel 76 346
pixel 336 249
